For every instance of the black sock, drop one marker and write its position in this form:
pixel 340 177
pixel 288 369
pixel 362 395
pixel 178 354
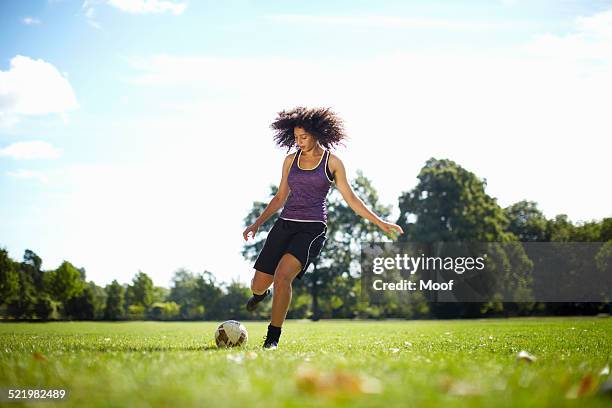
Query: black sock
pixel 274 332
pixel 260 297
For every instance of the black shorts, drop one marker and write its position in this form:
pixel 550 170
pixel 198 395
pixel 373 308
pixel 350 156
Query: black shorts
pixel 302 239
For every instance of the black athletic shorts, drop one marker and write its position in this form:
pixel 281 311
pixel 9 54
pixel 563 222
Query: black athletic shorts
pixel 302 239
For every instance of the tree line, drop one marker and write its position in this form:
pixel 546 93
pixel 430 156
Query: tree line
pixel 27 293
pixel 449 203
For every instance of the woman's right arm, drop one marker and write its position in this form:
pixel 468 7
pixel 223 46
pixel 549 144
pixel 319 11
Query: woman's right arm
pixel 276 203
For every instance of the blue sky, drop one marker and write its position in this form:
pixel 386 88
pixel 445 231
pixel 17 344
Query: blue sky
pixel 134 134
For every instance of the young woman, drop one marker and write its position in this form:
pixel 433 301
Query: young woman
pixel 298 235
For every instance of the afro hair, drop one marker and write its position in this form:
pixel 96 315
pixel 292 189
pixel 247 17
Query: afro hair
pixel 322 123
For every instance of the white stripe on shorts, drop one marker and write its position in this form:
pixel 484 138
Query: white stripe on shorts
pixel 291 219
pixel 308 253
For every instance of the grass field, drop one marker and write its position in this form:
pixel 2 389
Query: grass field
pixel 341 363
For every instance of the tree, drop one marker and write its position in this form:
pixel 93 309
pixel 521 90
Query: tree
pixel 9 278
pixel 99 299
pixel 196 294
pixel 184 284
pixel 64 282
pixel 45 307
pixel 526 221
pixel 81 307
pixel 560 229
pixel 114 301
pixel 449 204
pixel 207 294
pixel 33 264
pixel 606 230
pixel 590 231
pixel 23 304
pixel 141 292
pixel 231 304
pixel 160 294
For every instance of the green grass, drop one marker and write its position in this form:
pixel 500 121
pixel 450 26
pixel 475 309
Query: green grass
pixel 415 363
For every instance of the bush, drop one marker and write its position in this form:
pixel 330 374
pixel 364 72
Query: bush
pixel 165 311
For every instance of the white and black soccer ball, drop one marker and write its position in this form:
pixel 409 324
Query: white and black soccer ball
pixel 231 333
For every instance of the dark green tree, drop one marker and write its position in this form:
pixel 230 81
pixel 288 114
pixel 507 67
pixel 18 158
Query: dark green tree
pixel 590 231
pixel 183 292
pixel 527 222
pixel 32 263
pixel 99 300
pixel 449 204
pixel 64 282
pixel 606 230
pixel 196 294
pixel 141 291
pixel 82 306
pixel 9 279
pixel 208 293
pixel 231 304
pixel 114 301
pixel 560 229
pixel 23 305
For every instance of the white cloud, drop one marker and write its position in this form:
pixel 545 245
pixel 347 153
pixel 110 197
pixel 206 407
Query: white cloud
pixel 34 87
pixel 590 42
pixel 148 6
pixel 23 174
pixel 90 15
pixel 7 119
pixel 30 21
pixel 30 150
pixel 133 7
pixel 599 24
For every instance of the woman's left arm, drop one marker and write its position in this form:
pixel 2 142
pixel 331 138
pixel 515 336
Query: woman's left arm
pixel 355 202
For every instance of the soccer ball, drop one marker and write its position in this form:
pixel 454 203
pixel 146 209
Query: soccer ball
pixel 231 333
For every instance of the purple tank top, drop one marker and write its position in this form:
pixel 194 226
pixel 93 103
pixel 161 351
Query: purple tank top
pixel 309 188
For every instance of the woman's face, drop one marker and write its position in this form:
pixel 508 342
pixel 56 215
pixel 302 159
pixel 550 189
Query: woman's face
pixel 303 139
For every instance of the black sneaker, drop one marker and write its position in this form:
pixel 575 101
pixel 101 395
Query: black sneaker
pixel 255 299
pixel 270 344
pixel 272 337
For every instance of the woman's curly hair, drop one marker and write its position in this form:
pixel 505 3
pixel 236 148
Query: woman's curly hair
pixel 322 123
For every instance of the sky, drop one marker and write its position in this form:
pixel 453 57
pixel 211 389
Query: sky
pixel 134 134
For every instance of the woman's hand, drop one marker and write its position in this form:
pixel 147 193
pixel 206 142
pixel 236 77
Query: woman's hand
pixel 251 228
pixel 390 229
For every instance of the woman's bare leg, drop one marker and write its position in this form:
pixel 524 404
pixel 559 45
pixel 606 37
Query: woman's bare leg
pixel 287 269
pixel 261 282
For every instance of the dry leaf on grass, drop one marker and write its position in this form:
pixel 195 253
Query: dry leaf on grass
pixel 38 356
pixel 314 381
pixel 586 386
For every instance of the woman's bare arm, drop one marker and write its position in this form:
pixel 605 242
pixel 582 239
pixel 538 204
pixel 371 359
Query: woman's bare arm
pixel 356 204
pixel 276 203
